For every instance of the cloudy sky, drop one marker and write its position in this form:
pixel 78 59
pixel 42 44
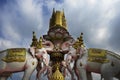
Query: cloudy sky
pixel 99 20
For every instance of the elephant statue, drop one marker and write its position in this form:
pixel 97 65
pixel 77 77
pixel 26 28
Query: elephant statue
pixel 18 60
pixel 100 61
pixel 68 63
pixel 43 65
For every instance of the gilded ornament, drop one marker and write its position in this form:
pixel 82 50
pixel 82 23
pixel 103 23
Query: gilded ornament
pixel 97 55
pixel 79 42
pixel 58 18
pixel 39 45
pixel 34 40
pixel 15 55
pixel 57 75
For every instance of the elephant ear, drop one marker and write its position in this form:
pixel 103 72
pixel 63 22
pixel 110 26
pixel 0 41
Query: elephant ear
pixel 48 45
pixel 31 51
pixel 66 45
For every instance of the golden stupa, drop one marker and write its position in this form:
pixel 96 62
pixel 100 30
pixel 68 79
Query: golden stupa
pixel 58 19
pixel 39 45
pixel 79 42
pixel 34 40
pixel 57 75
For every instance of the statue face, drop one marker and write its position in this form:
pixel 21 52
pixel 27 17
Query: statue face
pixel 40 52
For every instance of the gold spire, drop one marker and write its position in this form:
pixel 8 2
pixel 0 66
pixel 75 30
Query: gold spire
pixel 57 75
pixel 34 40
pixel 58 18
pixel 64 20
pixel 53 14
pixel 79 42
pixel 39 46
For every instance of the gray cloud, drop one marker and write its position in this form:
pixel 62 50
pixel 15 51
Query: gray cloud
pixel 114 39
pixel 18 20
pixel 93 18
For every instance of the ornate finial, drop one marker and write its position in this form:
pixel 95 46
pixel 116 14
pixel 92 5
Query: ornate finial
pixel 63 13
pixel 53 10
pixel 57 75
pixel 53 14
pixel 64 20
pixel 79 42
pixel 34 40
pixel 81 39
pixel 39 46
